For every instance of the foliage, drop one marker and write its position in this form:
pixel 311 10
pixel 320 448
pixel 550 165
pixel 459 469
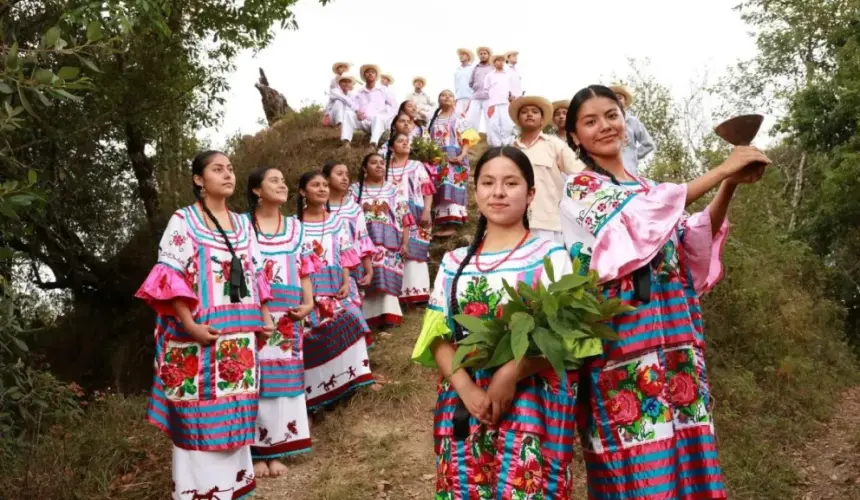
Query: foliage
pixel 426 150
pixel 562 322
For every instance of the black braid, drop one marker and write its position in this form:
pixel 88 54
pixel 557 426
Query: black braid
pixel 360 184
pixel 301 206
pixel 254 222
pixel 433 120
pixel 453 305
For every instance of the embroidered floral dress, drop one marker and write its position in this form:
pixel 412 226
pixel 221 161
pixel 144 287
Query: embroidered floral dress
pixel 282 421
pixel 386 215
pixel 528 455
pixel 413 183
pixel 337 336
pixel 205 396
pixel 354 216
pixel 451 133
pixel 650 431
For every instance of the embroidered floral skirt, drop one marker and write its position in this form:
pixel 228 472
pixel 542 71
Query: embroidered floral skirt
pixel 527 457
pixel 227 475
pixel 649 431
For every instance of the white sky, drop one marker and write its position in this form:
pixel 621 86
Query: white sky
pixel 563 45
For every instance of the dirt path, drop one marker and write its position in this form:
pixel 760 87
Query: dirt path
pixel 829 466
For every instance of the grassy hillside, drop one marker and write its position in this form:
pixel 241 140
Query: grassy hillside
pixel 778 363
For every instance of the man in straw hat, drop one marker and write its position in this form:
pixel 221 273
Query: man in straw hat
pixel 639 142
pixel 552 160
pixel 341 102
pixel 497 85
pixel 516 79
pixel 339 68
pixel 462 91
pixel 374 108
pixel 386 80
pixel 559 116
pixel 476 113
pixel 424 105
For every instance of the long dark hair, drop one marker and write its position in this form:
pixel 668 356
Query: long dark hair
pixel 328 168
pixel 436 113
pixel 255 180
pixel 362 172
pixel 641 276
pixel 391 138
pixel 303 182
pixel 576 103
pixel 238 286
pixel 525 165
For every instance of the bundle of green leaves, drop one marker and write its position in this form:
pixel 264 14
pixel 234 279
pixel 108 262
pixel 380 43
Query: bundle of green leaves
pixel 425 150
pixel 564 322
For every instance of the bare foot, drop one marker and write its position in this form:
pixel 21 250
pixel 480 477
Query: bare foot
pixel 261 469
pixel 277 468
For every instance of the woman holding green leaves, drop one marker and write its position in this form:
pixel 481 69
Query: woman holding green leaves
pixel 516 438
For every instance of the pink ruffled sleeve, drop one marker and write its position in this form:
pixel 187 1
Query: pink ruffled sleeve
pixel 349 256
pixel 306 259
pixel 362 237
pixel 624 227
pixel 703 250
pixel 424 179
pixel 175 273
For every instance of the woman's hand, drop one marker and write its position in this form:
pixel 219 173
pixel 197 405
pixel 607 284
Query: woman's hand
pixel 426 217
pixel 301 312
pixel 404 248
pixel 202 334
pixel 739 158
pixel 368 277
pixel 747 175
pixel 500 393
pixel 473 397
pixel 454 160
pixel 343 291
pixel 268 326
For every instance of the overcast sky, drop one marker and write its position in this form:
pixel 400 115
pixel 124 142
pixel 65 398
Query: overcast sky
pixel 563 45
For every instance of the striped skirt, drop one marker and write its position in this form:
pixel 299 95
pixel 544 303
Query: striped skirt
pixel 649 431
pixel 527 457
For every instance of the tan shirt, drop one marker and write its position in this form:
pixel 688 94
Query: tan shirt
pixel 552 161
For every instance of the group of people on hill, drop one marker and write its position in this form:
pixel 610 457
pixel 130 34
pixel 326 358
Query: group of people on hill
pixel 263 318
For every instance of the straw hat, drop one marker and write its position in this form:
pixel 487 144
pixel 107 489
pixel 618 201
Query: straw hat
pixel 559 104
pixel 483 47
pixel 389 77
pixel 419 79
pixel 340 63
pixel 493 57
pixel 467 52
pixel 531 100
pixel 346 77
pixel 622 90
pixel 365 67
pixel 512 53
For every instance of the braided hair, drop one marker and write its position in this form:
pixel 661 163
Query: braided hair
pixel 525 165
pixel 436 113
pixel 303 182
pixel 255 180
pixel 362 172
pixel 389 153
pixel 641 276
pixel 238 284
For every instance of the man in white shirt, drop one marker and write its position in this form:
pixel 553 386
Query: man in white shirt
pixel 516 79
pixel 424 105
pixel 374 108
pixel 551 160
pixel 477 112
pixel 497 86
pixel 639 142
pixel 342 103
pixel 462 91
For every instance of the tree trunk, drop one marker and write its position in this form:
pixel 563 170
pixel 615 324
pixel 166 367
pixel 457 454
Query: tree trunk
pixel 144 172
pixel 798 190
pixel 274 103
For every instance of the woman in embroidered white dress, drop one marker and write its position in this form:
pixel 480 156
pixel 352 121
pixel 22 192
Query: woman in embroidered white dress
pixel 415 185
pixel 336 340
pixel 649 430
pixel 282 422
pixel 208 291
pixel 453 134
pixel 519 438
pixel 388 220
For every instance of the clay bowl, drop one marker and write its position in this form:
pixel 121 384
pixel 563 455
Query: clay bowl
pixel 740 130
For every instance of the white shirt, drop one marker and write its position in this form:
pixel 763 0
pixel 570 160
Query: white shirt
pixel 462 90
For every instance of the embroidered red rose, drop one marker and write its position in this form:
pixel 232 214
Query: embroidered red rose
pixel 674 359
pixel 189 366
pixel 175 355
pixel 528 477
pixel 227 348
pixel 326 309
pixel 171 376
pixel 287 345
pixel 225 269
pixel 231 370
pixel 682 389
pixel 609 379
pixel 269 270
pixel 245 357
pixel 485 469
pixel 623 408
pixel 476 309
pixel 650 380
pixel 443 483
pixel 285 326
